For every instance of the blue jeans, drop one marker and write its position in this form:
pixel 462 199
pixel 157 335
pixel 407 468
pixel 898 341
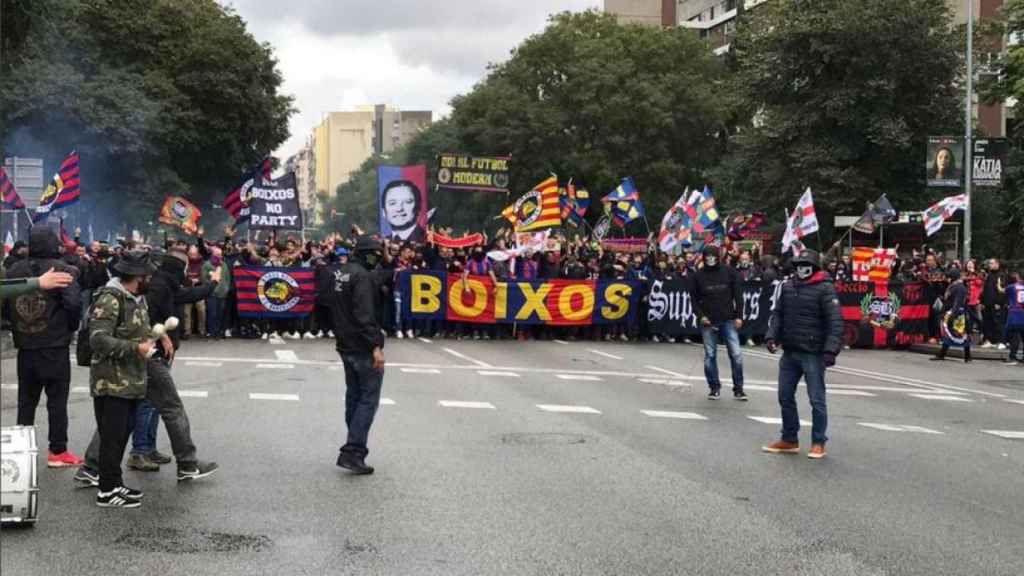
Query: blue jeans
pixel 710 334
pixel 362 397
pixel 792 366
pixel 147 419
pixel 215 317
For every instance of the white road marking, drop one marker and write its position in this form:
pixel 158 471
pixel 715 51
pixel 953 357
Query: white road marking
pixel 568 409
pixel 497 373
pixel 425 340
pixel 585 377
pixel 421 370
pixel 669 372
pixel 841 392
pixel 606 355
pixel 1008 434
pixel 768 420
pixel 387 402
pixel 276 340
pixel 80 389
pixel 883 377
pixel 193 393
pixel 8 386
pixel 276 366
pixel 759 387
pixel 335 368
pixel 562 342
pixel 462 404
pixel 1016 401
pixel 467 358
pixel 286 355
pixel 677 415
pixel 946 397
pixel 663 382
pixel 198 363
pixel 260 396
pixel 898 428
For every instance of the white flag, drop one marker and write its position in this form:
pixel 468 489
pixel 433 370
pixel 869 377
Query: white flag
pixel 939 212
pixel 676 224
pixel 801 222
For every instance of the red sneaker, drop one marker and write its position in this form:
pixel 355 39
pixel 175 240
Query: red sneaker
pixel 63 460
pixel 781 447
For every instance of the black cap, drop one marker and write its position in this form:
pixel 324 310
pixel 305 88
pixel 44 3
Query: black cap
pixel 135 263
pixel 368 244
pixel 953 274
pixel 712 250
pixel 808 256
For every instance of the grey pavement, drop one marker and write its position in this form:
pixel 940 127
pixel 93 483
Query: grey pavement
pixel 627 469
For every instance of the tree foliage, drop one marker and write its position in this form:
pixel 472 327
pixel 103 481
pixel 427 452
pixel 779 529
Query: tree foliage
pixel 841 95
pixel 159 96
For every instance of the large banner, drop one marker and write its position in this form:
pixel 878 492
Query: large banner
pixel 462 172
pixel 875 314
pixel 275 292
pixel 945 161
pixel 671 310
pixel 274 204
pixel 441 296
pixel 989 159
pixel 402 198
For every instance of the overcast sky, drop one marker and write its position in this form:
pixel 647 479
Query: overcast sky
pixel 414 54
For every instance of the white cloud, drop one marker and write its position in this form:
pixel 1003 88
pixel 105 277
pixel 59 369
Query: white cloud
pixel 417 55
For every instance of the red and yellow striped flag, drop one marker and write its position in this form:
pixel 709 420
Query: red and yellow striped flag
pixel 537 209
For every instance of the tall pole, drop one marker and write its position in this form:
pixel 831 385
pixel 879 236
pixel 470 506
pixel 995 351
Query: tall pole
pixel 968 121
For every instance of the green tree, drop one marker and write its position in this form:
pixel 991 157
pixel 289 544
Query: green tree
pixel 591 99
pixel 840 95
pixel 159 96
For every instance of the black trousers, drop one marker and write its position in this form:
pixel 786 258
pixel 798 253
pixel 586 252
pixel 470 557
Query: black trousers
pixel 115 420
pixel 45 369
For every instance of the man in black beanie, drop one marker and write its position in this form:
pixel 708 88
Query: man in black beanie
pixel 718 293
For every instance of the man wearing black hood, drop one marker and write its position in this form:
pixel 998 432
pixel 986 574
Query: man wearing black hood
pixel 165 297
pixel 718 294
pixel 44 323
pixel 355 300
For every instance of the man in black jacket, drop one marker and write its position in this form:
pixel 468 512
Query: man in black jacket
pixel 808 323
pixel 955 328
pixel 355 302
pixel 44 323
pixel 166 296
pixel 718 295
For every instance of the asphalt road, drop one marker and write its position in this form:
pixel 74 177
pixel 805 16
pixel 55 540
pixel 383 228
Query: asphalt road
pixel 916 481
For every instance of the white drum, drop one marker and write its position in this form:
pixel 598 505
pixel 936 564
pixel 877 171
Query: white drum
pixel 19 491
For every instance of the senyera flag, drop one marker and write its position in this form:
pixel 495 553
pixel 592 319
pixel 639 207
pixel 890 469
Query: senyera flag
pixel 178 211
pixel 275 292
pixel 237 201
pixel 872 264
pixel 9 199
pixel 63 191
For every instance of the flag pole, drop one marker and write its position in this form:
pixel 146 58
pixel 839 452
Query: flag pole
pixel 969 117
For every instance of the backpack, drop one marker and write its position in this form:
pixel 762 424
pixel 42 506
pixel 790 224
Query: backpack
pixel 83 349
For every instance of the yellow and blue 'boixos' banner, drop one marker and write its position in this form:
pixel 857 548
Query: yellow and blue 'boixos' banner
pixel 440 296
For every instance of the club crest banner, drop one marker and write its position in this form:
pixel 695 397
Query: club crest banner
pixel 275 292
pixel 441 296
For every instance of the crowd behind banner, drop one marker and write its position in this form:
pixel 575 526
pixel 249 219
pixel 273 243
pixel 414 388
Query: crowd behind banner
pixel 562 288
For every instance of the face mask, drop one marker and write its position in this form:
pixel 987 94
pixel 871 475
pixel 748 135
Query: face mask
pixel 371 259
pixel 710 261
pixel 804 271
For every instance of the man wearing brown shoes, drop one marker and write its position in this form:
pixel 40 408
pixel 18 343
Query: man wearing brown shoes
pixel 808 324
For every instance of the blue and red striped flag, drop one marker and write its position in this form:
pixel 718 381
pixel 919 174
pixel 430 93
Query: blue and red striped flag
pixel 9 199
pixel 62 192
pixel 237 201
pixel 275 292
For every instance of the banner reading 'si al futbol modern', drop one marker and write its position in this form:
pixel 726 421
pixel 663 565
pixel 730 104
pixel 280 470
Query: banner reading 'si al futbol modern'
pixel 481 173
pixel 441 296
pixel 402 200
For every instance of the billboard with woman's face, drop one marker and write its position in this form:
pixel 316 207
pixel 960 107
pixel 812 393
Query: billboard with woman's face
pixel 945 161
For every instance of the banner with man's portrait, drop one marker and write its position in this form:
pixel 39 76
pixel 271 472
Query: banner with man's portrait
pixel 402 200
pixel 945 161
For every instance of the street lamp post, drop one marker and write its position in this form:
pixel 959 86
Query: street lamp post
pixel 968 122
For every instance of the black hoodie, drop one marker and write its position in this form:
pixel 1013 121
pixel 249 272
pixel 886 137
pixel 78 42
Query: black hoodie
pixel 44 319
pixel 168 295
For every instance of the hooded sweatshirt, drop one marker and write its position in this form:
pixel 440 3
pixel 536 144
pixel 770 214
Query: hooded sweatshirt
pixel 44 319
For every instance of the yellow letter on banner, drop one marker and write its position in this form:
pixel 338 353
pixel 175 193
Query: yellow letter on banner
pixel 534 301
pixel 617 297
pixel 479 301
pixel 500 301
pixel 565 302
pixel 425 294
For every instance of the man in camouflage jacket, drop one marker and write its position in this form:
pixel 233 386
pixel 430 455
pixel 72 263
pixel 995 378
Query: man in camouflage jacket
pixel 119 335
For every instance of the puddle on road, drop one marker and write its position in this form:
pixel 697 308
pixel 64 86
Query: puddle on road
pixel 174 541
